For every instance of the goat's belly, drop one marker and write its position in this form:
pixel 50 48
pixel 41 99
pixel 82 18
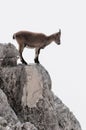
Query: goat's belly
pixel 31 47
pixel 35 45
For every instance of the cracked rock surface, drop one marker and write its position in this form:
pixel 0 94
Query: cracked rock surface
pixel 26 93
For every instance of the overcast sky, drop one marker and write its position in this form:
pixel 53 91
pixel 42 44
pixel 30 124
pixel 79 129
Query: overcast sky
pixel 66 63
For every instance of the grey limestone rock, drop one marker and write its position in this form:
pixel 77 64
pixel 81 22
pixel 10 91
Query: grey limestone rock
pixel 8 118
pixel 24 126
pixel 8 55
pixel 3 122
pixel 7 115
pixel 29 93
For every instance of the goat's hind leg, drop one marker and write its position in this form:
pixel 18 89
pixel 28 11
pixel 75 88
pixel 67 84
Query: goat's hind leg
pixel 21 48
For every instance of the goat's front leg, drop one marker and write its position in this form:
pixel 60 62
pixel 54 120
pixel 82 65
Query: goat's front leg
pixel 21 48
pixel 37 51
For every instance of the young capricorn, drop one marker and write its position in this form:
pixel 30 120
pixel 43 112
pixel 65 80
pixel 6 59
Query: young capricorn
pixel 35 40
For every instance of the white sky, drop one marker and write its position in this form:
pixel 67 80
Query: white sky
pixel 65 63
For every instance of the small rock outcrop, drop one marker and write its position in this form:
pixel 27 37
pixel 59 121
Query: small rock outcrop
pixel 8 55
pixel 26 95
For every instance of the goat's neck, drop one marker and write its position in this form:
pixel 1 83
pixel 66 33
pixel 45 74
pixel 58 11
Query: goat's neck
pixel 50 39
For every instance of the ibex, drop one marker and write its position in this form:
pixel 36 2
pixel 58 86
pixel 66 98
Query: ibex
pixel 35 40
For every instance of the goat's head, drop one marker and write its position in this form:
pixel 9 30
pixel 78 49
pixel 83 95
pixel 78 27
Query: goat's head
pixel 57 37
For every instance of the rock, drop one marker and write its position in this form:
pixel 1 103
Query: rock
pixel 2 128
pixel 28 90
pixel 3 122
pixel 8 119
pixel 7 115
pixel 8 55
pixel 28 126
pixel 24 126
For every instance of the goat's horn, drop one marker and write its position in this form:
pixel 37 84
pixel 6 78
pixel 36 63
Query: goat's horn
pixel 60 31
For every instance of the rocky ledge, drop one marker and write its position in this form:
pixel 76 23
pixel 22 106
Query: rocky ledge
pixel 26 98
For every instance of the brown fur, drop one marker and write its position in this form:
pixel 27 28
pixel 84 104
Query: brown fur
pixel 35 40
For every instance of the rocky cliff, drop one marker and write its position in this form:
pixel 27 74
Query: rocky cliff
pixel 26 98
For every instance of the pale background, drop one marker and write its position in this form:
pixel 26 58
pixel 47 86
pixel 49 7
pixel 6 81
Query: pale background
pixel 65 63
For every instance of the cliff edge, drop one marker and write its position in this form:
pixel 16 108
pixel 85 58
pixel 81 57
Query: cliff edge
pixel 26 98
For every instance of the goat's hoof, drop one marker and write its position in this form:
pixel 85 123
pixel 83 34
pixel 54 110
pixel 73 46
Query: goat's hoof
pixel 36 61
pixel 25 63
